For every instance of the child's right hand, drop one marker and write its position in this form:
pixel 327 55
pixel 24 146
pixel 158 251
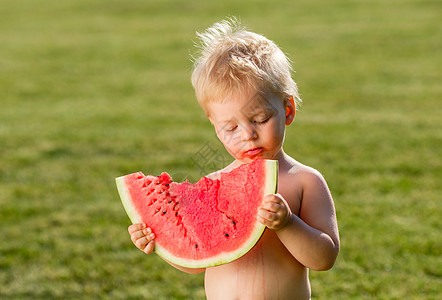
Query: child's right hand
pixel 142 237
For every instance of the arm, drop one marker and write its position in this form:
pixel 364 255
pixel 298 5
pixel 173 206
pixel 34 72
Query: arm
pixel 312 238
pixel 143 238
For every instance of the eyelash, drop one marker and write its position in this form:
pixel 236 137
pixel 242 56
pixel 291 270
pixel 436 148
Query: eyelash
pixel 254 122
pixel 262 122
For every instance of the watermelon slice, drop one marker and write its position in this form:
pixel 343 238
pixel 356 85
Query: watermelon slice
pixel 201 224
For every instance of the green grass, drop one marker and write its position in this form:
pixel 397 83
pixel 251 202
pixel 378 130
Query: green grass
pixel 91 90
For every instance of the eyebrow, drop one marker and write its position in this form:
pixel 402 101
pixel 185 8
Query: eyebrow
pixel 257 110
pixel 257 104
pixel 227 122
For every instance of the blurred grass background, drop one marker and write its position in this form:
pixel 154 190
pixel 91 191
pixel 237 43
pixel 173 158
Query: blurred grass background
pixel 91 90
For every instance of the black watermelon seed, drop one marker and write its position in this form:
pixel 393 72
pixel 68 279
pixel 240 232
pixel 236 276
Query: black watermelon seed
pixel 164 212
pixel 226 234
pixel 196 246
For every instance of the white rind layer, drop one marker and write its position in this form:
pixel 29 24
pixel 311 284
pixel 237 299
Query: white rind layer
pixel 271 185
pixel 126 199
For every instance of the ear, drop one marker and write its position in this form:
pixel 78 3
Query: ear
pixel 290 111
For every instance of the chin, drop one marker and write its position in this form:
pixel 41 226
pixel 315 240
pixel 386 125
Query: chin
pixel 250 159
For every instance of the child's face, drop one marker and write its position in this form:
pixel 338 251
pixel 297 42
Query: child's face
pixel 250 126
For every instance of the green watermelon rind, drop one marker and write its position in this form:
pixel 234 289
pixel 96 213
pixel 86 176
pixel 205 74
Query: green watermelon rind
pixel 126 200
pixel 271 182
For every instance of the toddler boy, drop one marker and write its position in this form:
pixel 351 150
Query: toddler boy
pixel 243 82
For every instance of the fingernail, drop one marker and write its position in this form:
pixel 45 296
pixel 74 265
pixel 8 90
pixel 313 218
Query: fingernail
pixel 152 236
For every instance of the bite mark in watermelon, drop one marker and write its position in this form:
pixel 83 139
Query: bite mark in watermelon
pixel 201 224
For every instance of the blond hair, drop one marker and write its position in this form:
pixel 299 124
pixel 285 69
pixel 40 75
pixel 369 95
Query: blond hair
pixel 232 59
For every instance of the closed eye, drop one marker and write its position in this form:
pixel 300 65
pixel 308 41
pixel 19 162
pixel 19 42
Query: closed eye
pixel 231 129
pixel 261 120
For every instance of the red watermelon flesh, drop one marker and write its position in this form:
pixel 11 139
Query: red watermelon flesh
pixel 201 224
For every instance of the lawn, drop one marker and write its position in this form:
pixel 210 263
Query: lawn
pixel 91 90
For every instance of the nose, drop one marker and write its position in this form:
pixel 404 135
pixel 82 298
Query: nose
pixel 248 133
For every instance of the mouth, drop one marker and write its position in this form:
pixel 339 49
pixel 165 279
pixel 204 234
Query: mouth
pixel 254 152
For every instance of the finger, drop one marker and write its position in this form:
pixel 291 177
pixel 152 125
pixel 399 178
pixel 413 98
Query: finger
pixel 262 220
pixel 272 206
pixel 269 198
pixel 139 234
pixel 267 215
pixel 273 198
pixel 149 248
pixel 269 224
pixel 141 243
pixel 135 227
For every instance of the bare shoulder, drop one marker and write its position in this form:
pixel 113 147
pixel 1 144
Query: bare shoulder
pixel 316 205
pixel 308 176
pixel 304 184
pixel 313 183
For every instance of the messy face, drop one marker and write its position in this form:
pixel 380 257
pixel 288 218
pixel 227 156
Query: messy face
pixel 250 125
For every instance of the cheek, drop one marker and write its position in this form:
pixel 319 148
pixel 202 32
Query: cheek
pixel 225 138
pixel 277 129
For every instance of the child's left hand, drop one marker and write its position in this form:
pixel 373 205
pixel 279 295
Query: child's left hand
pixel 274 213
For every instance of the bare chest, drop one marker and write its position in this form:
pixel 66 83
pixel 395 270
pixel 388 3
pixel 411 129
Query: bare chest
pixel 268 271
